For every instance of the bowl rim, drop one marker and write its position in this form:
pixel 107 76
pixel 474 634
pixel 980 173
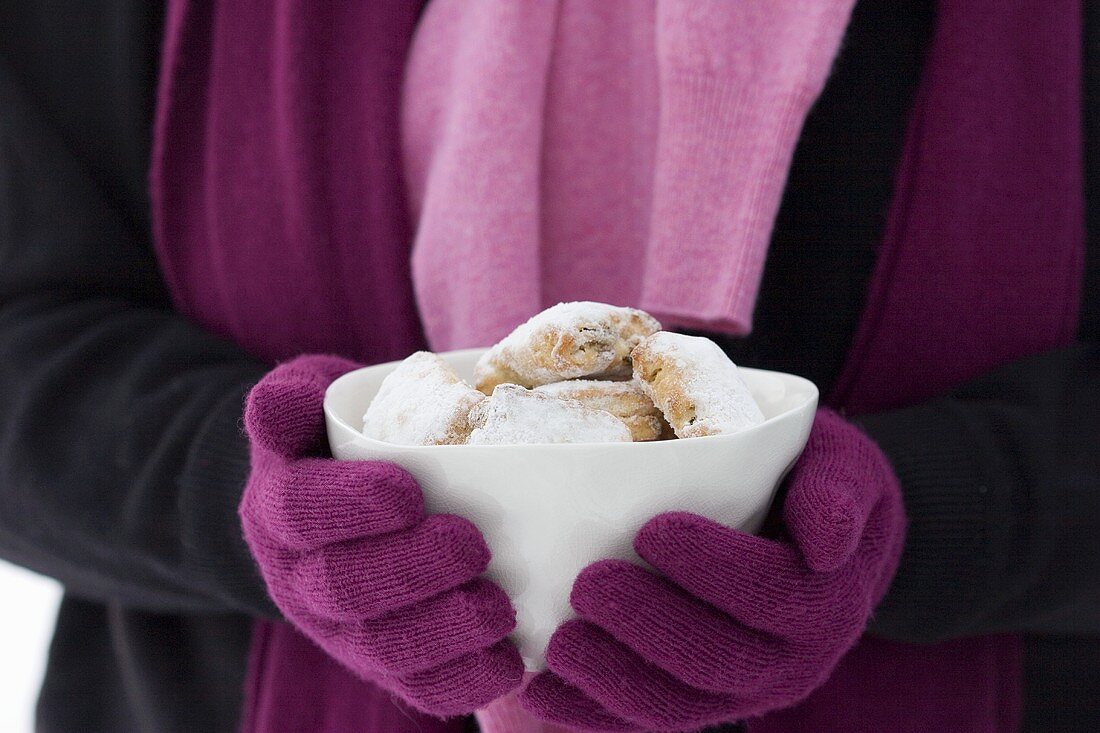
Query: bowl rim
pixel 813 395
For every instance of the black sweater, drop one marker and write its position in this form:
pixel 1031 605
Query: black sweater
pixel 121 457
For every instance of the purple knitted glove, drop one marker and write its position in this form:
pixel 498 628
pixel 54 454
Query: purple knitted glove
pixel 731 625
pixel 350 558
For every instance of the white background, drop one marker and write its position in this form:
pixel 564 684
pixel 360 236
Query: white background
pixel 28 609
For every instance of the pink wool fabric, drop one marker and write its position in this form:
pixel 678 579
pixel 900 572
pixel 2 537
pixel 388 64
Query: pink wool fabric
pixel 507 715
pixel 618 151
pixel 730 626
pixel 350 557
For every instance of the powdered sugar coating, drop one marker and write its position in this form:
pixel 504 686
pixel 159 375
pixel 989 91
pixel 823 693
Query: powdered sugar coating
pixel 694 384
pixel 625 400
pixel 515 415
pixel 566 341
pixel 421 402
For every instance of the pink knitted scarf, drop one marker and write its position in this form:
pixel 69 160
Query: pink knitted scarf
pixel 620 151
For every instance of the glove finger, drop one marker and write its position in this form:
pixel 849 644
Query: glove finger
pixel 686 637
pixel 832 490
pixel 284 412
pixel 370 577
pixel 462 685
pixel 471 617
pixel 550 698
pixel 628 686
pixel 313 502
pixel 761 583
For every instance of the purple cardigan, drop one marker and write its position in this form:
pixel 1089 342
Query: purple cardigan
pixel 279 222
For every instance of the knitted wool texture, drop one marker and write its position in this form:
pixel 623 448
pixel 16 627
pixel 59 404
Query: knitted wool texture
pixel 564 150
pixel 351 559
pixel 730 625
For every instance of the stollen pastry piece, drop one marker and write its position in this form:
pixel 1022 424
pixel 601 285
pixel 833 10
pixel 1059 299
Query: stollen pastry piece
pixel 514 415
pixel 566 341
pixel 625 400
pixel 421 402
pixel 694 384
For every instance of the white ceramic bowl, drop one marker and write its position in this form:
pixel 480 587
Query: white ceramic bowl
pixel 547 511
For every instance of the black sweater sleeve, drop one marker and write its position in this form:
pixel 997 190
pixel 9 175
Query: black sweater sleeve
pixel 121 456
pixel 1001 481
pixel 1002 477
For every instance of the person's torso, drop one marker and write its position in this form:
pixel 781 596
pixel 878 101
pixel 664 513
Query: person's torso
pixel 838 193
